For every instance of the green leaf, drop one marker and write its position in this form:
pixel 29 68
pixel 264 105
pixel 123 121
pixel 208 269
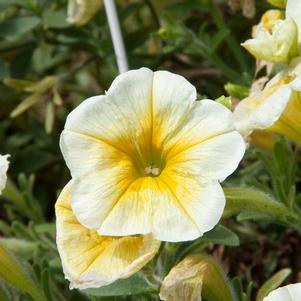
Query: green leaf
pixel 4 72
pixel 55 19
pixel 237 289
pixel 218 38
pixel 245 199
pixel 256 204
pixel 218 235
pixel 49 117
pixel 18 25
pixel 46 228
pixel 42 85
pixel 18 84
pixel 57 98
pixel 12 272
pixel 274 282
pixel 3 294
pixel 278 3
pixel 244 216
pixel 20 247
pixel 12 193
pixel 27 103
pixel 222 236
pixel 134 285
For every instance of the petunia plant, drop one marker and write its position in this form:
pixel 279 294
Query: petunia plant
pixel 152 183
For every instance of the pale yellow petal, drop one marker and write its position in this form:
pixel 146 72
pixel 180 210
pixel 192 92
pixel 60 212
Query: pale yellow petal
pixel 173 207
pixel 149 206
pixel 173 97
pixel 215 153
pixel 213 159
pixel 108 136
pixel 203 203
pixel 293 10
pixel 277 103
pixel 101 174
pixel 121 118
pixel 262 110
pixel 90 260
pixel 200 125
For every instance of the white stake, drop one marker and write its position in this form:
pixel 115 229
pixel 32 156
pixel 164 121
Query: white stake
pixel 116 35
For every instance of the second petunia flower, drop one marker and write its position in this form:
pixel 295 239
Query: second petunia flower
pixel 147 158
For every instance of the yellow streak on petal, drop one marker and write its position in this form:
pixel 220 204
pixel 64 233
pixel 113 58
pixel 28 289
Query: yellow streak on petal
pixel 289 124
pixel 257 101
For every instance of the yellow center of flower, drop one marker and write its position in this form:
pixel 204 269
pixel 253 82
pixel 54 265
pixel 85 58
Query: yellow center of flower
pixel 148 160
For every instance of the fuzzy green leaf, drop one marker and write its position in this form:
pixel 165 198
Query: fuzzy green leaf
pixel 12 272
pixel 134 285
pixel 273 283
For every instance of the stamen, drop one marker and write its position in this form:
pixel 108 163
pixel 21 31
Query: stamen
pixel 150 170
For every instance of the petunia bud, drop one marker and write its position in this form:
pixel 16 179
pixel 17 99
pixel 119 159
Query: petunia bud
pixel 268 20
pixel 277 45
pixel 196 276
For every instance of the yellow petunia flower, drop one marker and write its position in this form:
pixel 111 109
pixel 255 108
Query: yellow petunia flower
pixel 90 260
pixel 291 292
pixel 276 108
pixel 3 170
pixel 146 158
